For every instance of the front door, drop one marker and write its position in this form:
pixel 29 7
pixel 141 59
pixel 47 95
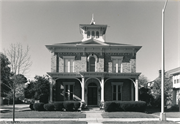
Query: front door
pixel 92 94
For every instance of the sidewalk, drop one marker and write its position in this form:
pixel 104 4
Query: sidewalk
pixel 93 116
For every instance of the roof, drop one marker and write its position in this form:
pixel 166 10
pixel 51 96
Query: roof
pixel 92 42
pixel 174 71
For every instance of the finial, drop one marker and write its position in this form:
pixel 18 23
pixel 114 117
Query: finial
pixel 92 21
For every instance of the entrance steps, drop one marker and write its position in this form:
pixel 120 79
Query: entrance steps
pixel 92 109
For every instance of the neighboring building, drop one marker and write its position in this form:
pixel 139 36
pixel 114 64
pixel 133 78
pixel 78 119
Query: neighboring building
pixel 174 74
pixel 93 70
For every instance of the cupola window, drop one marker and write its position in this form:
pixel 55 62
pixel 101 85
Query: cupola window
pixel 93 34
pixel 88 34
pixel 97 34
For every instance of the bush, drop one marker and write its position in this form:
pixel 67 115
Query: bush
pixel 110 106
pixel 58 106
pixel 174 108
pixel 49 107
pixel 31 106
pixel 135 106
pixel 38 106
pixel 77 105
pixel 68 105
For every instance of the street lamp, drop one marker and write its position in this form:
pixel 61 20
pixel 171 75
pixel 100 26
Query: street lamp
pixel 162 114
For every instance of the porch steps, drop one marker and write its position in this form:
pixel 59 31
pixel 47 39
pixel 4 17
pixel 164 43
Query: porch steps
pixel 93 110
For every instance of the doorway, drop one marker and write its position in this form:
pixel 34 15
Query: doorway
pixel 92 94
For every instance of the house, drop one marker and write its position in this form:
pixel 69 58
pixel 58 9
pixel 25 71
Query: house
pixel 174 76
pixel 93 70
pixel 175 73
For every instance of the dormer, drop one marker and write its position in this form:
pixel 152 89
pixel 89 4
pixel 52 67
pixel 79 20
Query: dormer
pixel 93 31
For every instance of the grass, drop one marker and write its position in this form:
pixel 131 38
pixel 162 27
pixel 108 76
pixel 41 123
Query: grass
pixel 149 122
pixel 47 122
pixel 43 114
pixel 126 115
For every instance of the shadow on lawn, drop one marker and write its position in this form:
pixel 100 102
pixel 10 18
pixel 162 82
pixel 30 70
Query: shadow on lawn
pixel 156 110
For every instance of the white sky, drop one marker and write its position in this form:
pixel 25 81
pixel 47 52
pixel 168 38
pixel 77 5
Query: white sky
pixel 39 23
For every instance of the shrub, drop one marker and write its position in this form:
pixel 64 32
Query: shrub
pixel 38 106
pixel 77 105
pixel 58 106
pixel 68 105
pixel 136 106
pixel 49 107
pixel 110 106
pixel 174 108
pixel 31 106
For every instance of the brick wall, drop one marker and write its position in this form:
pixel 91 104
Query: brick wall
pixel 61 65
pixel 100 65
pixel 133 65
pixel 53 62
pixel 80 65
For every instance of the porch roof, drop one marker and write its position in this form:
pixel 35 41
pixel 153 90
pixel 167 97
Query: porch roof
pixel 93 74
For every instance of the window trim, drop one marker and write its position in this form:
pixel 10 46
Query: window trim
pixel 119 64
pixel 69 63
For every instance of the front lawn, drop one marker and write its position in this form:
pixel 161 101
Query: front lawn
pixel 43 114
pixel 48 122
pixel 126 115
pixel 144 122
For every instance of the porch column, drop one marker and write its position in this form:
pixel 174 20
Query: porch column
pixel 51 90
pixel 82 89
pixel 136 91
pixel 132 91
pixel 102 89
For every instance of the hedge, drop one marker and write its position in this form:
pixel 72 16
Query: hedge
pixel 49 107
pixel 38 106
pixel 58 106
pixel 135 106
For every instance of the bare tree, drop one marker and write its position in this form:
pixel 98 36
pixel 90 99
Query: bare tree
pixel 19 58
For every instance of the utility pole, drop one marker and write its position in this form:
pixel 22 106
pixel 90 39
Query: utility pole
pixel 162 114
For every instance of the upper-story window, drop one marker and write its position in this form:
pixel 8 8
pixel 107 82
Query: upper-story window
pixel 116 64
pixel 93 34
pixel 92 59
pixel 68 63
pixel 88 34
pixel 97 34
pixel 92 64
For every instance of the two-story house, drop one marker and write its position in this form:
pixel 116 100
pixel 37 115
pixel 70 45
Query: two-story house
pixel 93 70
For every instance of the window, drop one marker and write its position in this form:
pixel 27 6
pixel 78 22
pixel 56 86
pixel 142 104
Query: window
pixel 116 64
pixel 93 34
pixel 88 34
pixel 92 64
pixel 117 91
pixel 97 34
pixel 68 91
pixel 68 64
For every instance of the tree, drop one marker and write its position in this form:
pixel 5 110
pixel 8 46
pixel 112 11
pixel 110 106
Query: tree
pixel 156 91
pixel 17 82
pixel 38 88
pixel 5 75
pixel 19 58
pixel 143 81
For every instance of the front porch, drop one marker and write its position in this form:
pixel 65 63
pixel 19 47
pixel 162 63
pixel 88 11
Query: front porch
pixel 94 88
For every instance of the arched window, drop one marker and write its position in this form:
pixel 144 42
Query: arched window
pixel 93 34
pixel 88 34
pixel 92 64
pixel 97 34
